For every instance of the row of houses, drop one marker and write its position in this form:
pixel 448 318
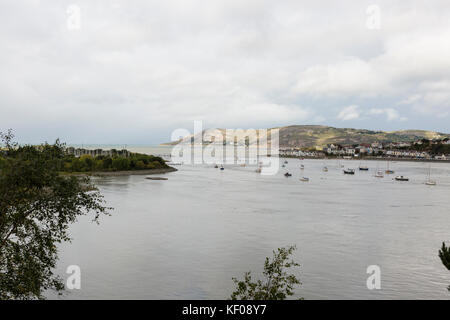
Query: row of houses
pixel 374 149
pixel 339 150
pixel 296 152
pixel 377 149
pixel 78 152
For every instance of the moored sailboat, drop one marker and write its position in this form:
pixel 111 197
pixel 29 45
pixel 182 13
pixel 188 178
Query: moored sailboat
pixel 430 182
pixel 389 171
pixel 349 171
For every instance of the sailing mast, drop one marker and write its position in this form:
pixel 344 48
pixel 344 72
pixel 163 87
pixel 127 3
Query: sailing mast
pixel 430 182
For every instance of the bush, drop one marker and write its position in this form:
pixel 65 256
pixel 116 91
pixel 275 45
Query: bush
pixel 87 163
pixel 277 283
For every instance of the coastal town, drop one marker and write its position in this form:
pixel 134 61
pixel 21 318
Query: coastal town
pixel 400 150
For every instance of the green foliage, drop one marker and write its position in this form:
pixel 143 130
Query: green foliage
pixel 277 284
pixel 37 205
pixel 136 161
pixel 444 254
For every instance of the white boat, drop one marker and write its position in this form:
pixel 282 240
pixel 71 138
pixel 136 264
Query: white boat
pixel 430 182
pixel 302 167
pixel 304 179
pixel 401 178
pixel 379 174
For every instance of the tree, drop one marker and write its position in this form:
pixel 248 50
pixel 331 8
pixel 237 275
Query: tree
pixel 277 284
pixel 444 254
pixel 37 205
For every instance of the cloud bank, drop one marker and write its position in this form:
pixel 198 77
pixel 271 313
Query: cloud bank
pixel 131 72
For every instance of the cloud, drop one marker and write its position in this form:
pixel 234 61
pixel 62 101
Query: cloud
pixel 133 73
pixel 349 113
pixel 391 114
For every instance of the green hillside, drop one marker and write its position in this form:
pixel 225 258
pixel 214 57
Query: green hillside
pixel 307 136
pixel 311 136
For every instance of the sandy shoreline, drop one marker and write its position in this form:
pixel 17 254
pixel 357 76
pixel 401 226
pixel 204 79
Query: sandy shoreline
pixel 124 173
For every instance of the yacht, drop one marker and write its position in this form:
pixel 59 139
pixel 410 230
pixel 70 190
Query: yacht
pixel 430 182
pixel 349 171
pixel 379 174
pixel 389 171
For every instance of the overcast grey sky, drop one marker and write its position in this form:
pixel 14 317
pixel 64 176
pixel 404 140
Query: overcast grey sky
pixel 133 71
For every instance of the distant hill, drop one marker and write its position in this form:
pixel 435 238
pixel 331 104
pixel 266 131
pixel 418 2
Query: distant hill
pixel 307 136
pixel 312 135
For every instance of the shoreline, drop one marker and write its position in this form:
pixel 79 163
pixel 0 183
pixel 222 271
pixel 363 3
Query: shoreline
pixel 124 173
pixel 368 159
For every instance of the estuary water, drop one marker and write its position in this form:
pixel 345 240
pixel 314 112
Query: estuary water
pixel 186 237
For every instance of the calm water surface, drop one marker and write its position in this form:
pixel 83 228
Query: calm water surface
pixel 185 238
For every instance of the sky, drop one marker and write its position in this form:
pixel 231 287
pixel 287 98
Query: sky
pixel 132 72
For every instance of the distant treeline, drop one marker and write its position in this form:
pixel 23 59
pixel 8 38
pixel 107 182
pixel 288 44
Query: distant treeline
pixel 86 163
pixel 135 161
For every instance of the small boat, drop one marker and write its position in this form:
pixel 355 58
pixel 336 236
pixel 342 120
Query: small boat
pixel 222 168
pixel 283 166
pixel 379 174
pixel 389 171
pixel 302 167
pixel 285 162
pixel 401 178
pixel 258 170
pixel 325 169
pixel 287 174
pixel 304 179
pixel 349 171
pixel 216 166
pixel 430 182
pixel 363 168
